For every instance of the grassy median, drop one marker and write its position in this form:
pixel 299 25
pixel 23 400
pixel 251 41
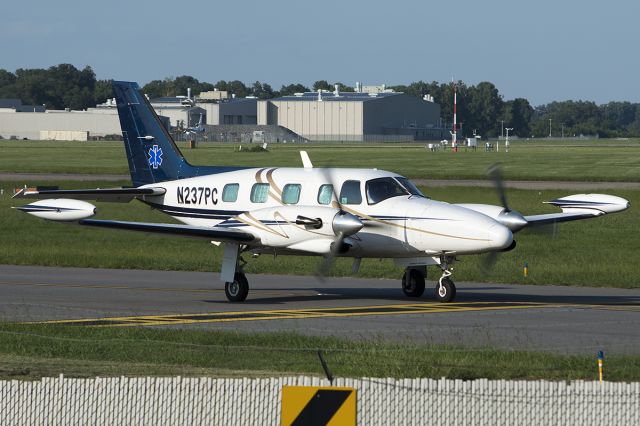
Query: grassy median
pixel 34 351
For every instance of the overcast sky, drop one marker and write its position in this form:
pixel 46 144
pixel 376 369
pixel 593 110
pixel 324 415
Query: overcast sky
pixel 542 50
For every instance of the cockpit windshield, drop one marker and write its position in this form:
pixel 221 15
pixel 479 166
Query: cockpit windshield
pixel 410 186
pixel 382 188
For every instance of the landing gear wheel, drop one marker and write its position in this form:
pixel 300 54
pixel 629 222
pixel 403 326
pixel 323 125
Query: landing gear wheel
pixel 445 290
pixel 237 290
pixel 413 283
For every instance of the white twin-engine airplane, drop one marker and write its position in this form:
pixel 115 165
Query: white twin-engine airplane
pixel 357 213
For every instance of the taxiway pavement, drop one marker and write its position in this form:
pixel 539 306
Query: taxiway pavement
pixel 549 318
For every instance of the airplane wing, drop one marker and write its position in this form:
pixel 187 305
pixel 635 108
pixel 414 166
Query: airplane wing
pixel 551 218
pixel 118 195
pixel 209 233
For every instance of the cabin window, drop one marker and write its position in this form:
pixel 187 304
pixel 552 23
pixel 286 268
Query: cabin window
pixel 350 192
pixel 259 193
pixel 291 193
pixel 325 193
pixel 382 188
pixel 230 192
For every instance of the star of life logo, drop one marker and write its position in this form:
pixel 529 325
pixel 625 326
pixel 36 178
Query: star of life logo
pixel 155 156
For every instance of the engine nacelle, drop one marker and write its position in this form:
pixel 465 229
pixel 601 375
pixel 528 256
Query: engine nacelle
pixel 509 218
pixel 303 228
pixel 486 209
pixel 60 209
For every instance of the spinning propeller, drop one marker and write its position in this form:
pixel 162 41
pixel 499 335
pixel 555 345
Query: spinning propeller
pixel 344 224
pixel 512 219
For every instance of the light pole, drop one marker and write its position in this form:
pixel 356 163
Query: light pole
pixel 562 131
pixel 549 128
pixel 502 127
pixel 506 141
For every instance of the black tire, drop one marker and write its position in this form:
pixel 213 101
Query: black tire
pixel 448 291
pixel 237 290
pixel 414 285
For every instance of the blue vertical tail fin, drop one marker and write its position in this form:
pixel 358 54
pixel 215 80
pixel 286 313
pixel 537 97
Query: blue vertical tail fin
pixel 152 154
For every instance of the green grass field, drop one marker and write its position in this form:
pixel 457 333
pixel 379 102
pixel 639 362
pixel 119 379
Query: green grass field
pixel 599 160
pixel 594 252
pixel 34 351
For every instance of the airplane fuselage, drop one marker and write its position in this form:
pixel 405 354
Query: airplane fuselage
pixel 267 201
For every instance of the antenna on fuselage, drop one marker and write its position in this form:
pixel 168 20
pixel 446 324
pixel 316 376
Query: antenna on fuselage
pixel 306 161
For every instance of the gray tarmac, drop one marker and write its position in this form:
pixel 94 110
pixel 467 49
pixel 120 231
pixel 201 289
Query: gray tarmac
pixel 549 318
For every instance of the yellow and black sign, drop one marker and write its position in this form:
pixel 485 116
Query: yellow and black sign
pixel 309 405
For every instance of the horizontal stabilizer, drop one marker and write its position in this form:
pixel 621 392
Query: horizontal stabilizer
pixel 209 233
pixel 120 195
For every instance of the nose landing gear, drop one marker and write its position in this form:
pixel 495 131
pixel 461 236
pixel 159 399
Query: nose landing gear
pixel 446 289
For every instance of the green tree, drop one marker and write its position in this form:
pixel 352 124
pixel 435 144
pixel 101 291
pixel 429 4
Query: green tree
pixel 103 91
pixel 343 87
pixel 321 85
pixel 7 84
pixel 485 109
pixel 293 88
pixel 158 88
pixel 262 90
pixel 237 88
pixel 517 115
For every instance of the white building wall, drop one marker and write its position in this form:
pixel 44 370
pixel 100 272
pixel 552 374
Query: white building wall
pixel 97 122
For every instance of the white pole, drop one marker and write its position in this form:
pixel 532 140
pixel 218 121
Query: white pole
pixel 454 139
pixel 506 141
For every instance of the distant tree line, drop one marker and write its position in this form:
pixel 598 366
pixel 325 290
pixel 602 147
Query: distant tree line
pixel 58 87
pixel 481 108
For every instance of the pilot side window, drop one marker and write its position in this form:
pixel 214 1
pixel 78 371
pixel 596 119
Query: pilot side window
pixel 350 192
pixel 325 193
pixel 230 192
pixel 382 188
pixel 291 193
pixel 259 193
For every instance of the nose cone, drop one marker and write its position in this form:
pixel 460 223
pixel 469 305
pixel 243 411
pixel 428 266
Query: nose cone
pixel 346 223
pixel 499 237
pixel 512 220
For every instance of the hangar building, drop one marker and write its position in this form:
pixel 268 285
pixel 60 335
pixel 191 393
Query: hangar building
pixel 215 106
pixel 354 116
pixel 27 122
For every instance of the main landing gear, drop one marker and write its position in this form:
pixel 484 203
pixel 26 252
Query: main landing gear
pixel 236 285
pixel 238 289
pixel 413 282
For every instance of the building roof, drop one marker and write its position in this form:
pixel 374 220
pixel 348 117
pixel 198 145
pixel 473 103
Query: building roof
pixel 331 97
pixel 10 103
pixel 17 105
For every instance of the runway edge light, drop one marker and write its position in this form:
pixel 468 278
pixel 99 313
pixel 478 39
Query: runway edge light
pixel 600 364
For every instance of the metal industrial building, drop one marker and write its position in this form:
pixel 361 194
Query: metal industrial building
pixel 374 114
pixel 19 121
pixel 353 116
pixel 216 108
pixel 59 124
